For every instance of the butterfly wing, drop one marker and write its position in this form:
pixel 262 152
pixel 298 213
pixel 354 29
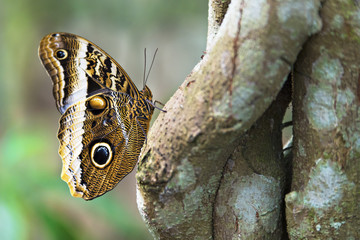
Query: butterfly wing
pixel 95 158
pixel 105 118
pixel 79 68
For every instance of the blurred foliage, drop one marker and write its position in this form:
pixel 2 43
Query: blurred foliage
pixel 34 202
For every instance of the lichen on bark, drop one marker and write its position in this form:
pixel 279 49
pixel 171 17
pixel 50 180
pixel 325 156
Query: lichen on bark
pixel 325 186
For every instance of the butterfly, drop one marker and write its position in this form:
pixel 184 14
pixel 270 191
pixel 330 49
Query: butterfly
pixel 105 118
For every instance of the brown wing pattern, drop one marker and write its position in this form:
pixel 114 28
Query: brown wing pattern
pixel 82 129
pixel 78 68
pixel 105 117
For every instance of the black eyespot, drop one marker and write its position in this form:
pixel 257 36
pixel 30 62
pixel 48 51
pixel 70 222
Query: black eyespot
pixel 55 35
pixel 101 155
pixel 61 54
pixel 93 124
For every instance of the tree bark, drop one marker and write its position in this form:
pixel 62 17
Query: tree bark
pixel 213 166
pixel 324 201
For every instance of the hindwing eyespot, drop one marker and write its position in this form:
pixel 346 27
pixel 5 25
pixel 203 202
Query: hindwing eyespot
pixel 101 154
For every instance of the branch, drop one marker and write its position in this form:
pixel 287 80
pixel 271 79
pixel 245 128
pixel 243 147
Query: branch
pixel 245 67
pixel 324 201
pixel 217 11
pixel 249 202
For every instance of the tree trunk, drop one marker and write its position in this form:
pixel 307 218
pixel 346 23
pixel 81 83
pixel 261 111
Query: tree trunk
pixel 325 196
pixel 213 166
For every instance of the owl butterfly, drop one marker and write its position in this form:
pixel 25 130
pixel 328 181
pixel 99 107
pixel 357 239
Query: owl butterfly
pixel 105 118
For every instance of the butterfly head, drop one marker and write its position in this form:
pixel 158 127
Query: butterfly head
pixel 146 92
pixel 147 96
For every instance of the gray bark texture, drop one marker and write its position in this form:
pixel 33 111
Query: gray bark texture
pixel 325 198
pixel 214 166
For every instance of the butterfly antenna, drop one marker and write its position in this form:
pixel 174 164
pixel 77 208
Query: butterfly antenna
pixel 144 81
pixel 152 62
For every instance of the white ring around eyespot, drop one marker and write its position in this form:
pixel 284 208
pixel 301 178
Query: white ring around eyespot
pixel 99 144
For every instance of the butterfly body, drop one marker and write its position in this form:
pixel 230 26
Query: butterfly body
pixel 105 118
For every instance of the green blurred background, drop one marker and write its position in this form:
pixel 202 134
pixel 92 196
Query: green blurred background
pixel 34 202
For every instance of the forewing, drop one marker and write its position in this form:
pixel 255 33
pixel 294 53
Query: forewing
pixel 79 68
